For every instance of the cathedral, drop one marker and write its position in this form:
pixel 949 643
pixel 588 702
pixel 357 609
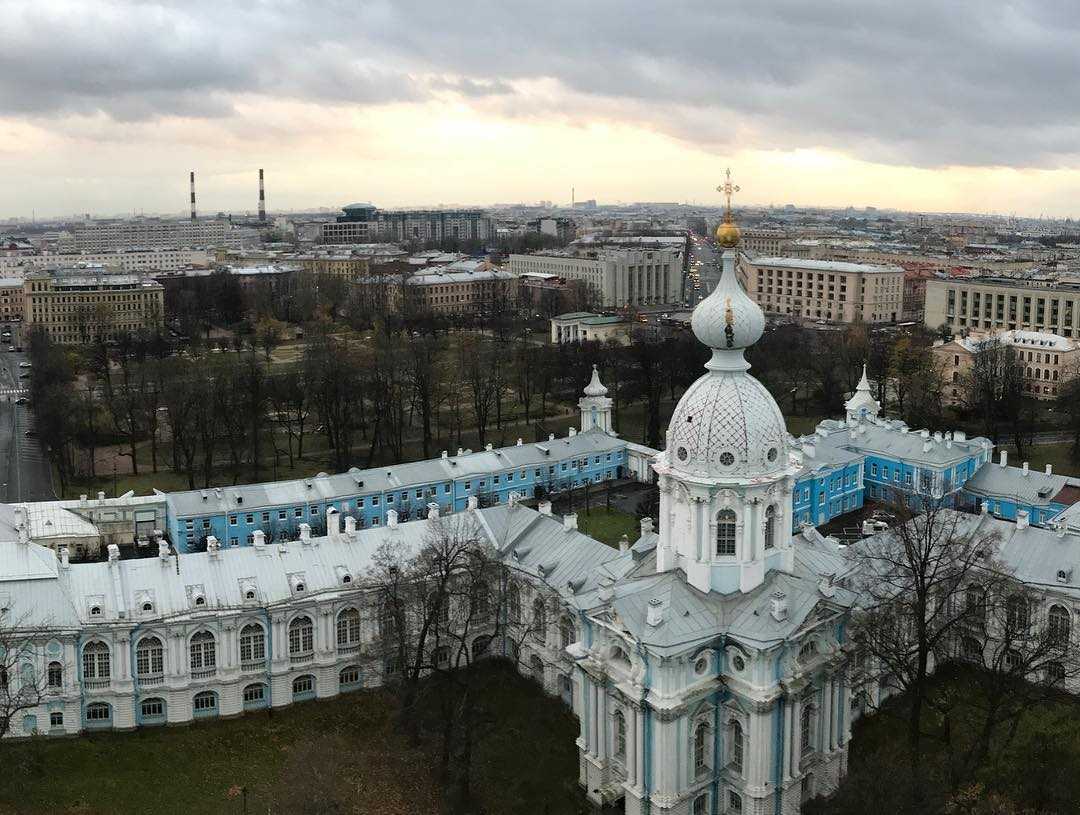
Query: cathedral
pixel 710 677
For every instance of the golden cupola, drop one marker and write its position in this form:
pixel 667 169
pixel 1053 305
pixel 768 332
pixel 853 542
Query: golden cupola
pixel 727 234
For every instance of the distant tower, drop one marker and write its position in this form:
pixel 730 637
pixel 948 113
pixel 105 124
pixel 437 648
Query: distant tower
pixel 193 195
pixel 572 191
pixel 595 406
pixel 262 198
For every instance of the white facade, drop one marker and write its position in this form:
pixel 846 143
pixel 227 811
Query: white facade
pixel 619 277
pixel 99 236
pixel 162 259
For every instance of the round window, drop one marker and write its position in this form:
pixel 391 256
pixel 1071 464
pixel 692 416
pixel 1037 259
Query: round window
pixel 727 459
pixel 772 454
pixel 738 663
pixel 701 665
pixel 682 453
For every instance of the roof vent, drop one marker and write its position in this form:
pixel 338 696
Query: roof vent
pixel 1064 575
pixel 655 613
pixel 778 606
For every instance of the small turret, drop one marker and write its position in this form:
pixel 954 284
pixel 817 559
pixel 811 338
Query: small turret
pixel 596 406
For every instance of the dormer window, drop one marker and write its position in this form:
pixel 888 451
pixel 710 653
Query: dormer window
pixel 346 578
pixel 249 594
pixel 299 587
pixel 200 600
pixel 95 611
pixel 147 607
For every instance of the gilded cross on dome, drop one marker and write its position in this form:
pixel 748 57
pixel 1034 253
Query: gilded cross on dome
pixel 728 189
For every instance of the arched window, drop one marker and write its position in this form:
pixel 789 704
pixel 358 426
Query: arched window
pixel 619 726
pixel 387 623
pixel 349 677
pixel 1055 673
pixel 301 636
pixel 770 526
pixel 701 749
pixel 737 747
pixel 806 727
pixel 1017 613
pixel 149 658
pixel 701 805
pixel 98 712
pixel 536 668
pixel 440 609
pixel 972 648
pixel 807 651
pixel 152 710
pixel 1058 628
pixel 252 645
pixel 205 704
pixel 1013 659
pixel 734 804
pixel 303 687
pixel 725 532
pixel 348 628
pixel 480 601
pixel 513 604
pixel 539 618
pixel 975 603
pixel 567 633
pixel 96 664
pixel 480 647
pixel 56 675
pixel 203 652
pixel 255 696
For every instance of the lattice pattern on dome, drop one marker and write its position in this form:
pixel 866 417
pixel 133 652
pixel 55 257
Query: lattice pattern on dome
pixel 727 424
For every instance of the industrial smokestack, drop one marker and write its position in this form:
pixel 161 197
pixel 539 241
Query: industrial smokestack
pixel 262 198
pixel 193 195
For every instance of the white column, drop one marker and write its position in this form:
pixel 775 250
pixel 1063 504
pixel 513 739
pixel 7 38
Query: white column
pixel 828 741
pixel 582 692
pixel 639 757
pixel 785 741
pixel 796 735
pixel 594 741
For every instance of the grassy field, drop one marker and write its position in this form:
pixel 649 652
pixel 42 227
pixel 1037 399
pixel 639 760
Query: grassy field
pixel 609 525
pixel 341 756
pixel 1039 455
pixel 1037 768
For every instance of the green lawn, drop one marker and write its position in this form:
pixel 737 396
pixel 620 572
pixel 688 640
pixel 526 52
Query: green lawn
pixel 608 525
pixel 1039 455
pixel 1036 768
pixel 343 755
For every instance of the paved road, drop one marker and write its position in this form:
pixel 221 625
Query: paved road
pixel 25 470
pixel 704 263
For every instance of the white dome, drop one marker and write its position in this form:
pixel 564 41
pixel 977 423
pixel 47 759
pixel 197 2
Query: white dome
pixel 728 319
pixel 727 425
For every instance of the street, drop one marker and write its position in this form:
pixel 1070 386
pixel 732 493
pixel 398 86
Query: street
pixel 26 475
pixel 704 270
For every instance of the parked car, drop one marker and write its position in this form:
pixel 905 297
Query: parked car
pixel 25 365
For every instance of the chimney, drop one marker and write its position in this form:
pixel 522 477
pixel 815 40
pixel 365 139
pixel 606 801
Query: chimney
pixel 959 435
pixel 446 454
pixel 606 592
pixel 258 539
pixel 513 498
pixel 333 523
pixel 646 526
pixel 1049 469
pixel 1025 470
pixel 391 518
pixel 193 195
pixel 114 554
pixel 433 511
pixel 927 446
pixel 350 525
pixel 984 507
pixel 65 557
pixel 778 606
pixel 305 533
pixel 163 550
pixel 488 447
pixel 551 437
pixel 1003 458
pixel 544 507
pixel 262 198
pixel 460 451
pixel 624 543
pixel 472 502
pixel 571 433
pixel 655 613
pixel 519 442
pixel 212 546
pixel 101 497
pixel 82 500
pixel 569 522
pixel 1021 519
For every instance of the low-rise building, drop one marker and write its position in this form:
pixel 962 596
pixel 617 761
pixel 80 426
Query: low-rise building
pixel 465 287
pixel 833 291
pixel 11 298
pixel 1047 360
pixel 582 326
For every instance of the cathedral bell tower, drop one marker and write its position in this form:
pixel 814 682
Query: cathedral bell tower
pixel 725 476
pixel 595 405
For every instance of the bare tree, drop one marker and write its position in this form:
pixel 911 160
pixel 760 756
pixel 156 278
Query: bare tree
pixel 22 685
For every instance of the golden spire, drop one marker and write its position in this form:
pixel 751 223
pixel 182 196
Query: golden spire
pixel 727 234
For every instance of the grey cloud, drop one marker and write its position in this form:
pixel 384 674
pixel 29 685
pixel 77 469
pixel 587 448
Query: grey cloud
pixel 979 82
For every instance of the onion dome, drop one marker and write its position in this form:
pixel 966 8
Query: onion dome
pixel 727 234
pixel 595 386
pixel 728 320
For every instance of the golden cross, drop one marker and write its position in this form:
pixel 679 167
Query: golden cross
pixel 728 189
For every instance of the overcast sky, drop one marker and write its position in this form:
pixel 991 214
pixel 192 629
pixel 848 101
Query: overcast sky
pixel 968 105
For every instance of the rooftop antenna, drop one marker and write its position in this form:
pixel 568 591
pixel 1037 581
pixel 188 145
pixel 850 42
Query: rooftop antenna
pixel 262 199
pixel 193 195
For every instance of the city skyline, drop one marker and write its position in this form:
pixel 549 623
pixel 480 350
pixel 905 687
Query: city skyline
pixel 915 108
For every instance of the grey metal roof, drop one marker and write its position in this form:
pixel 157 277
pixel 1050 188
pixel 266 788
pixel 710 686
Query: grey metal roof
pixel 1028 487
pixel 889 438
pixel 323 488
